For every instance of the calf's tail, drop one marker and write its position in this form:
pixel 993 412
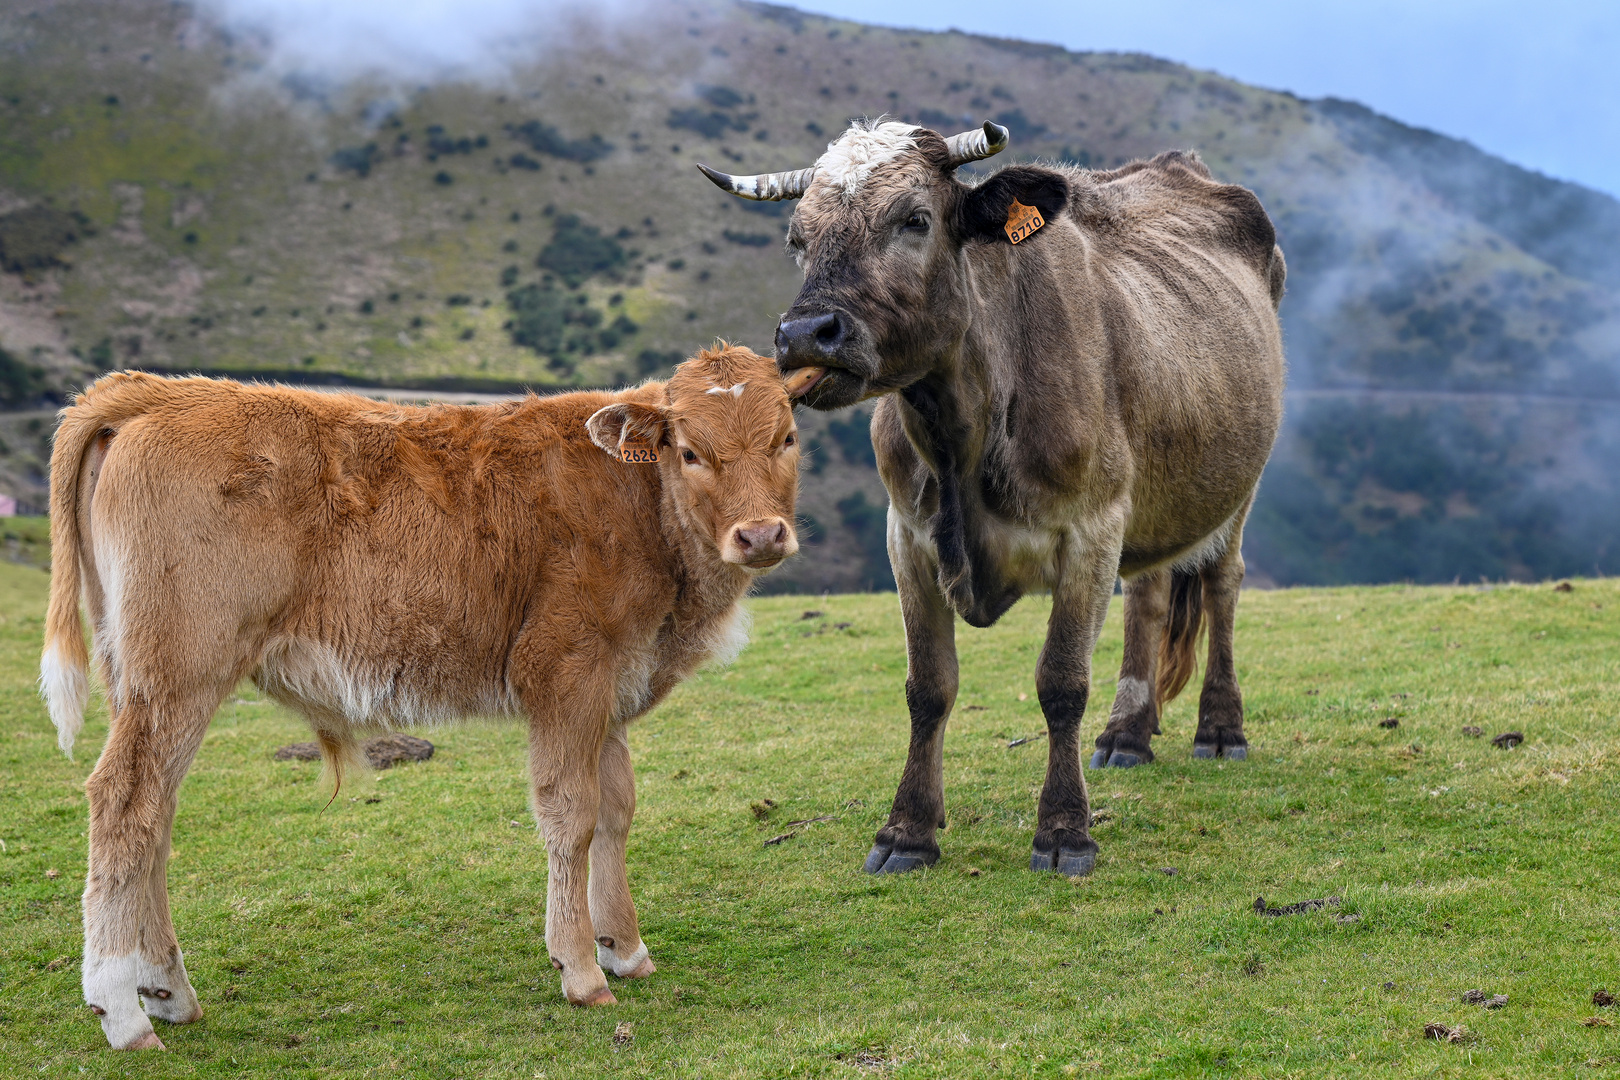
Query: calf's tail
pixel 63 666
pixel 1183 627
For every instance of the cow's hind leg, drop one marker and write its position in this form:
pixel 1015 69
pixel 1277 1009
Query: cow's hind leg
pixel 619 947
pixel 906 840
pixel 1063 682
pixel 1134 720
pixel 130 948
pixel 1220 704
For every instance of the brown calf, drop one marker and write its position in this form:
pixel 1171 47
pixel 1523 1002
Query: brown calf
pixel 371 565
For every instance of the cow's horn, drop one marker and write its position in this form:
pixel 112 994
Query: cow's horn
pixel 765 187
pixel 978 143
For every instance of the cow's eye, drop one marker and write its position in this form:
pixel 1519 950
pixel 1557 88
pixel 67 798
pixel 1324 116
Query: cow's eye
pixel 917 223
pixel 689 457
pixel 789 441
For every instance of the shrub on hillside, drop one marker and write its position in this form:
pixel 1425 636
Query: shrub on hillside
pixel 545 139
pixel 356 159
pixel 579 251
pixel 33 238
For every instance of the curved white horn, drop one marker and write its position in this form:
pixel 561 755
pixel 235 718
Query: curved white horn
pixel 765 187
pixel 978 143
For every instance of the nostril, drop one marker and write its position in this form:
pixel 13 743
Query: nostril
pixel 830 331
pixel 742 539
pixel 781 534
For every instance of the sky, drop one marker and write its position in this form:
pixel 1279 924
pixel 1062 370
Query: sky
pixel 1537 83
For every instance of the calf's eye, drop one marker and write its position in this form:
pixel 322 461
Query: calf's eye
pixel 789 441
pixel 689 457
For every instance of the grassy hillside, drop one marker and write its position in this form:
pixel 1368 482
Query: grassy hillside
pixel 400 928
pixel 166 201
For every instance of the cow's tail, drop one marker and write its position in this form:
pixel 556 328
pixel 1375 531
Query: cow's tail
pixel 63 667
pixel 1183 627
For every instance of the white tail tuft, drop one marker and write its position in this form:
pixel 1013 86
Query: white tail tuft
pixel 66 690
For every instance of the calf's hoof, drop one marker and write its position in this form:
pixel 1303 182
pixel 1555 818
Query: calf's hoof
pixel 643 969
pixel 603 996
pixel 886 860
pixel 149 1041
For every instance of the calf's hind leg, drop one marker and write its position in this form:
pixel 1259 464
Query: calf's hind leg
pixel 619 947
pixel 130 946
pixel 1220 704
pixel 1134 720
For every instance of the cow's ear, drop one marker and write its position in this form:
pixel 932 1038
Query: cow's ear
pixel 984 212
pixel 629 430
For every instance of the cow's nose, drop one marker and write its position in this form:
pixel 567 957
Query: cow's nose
pixel 762 543
pixel 813 337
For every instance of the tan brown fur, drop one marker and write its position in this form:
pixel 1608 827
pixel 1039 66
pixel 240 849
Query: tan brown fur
pixel 371 564
pixel 1097 401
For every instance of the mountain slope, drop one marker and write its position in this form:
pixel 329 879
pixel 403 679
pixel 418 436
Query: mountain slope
pixel 166 202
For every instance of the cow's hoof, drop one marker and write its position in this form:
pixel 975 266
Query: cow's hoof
pixel 883 860
pixel 1099 760
pixel 1210 750
pixel 643 969
pixel 1205 750
pixel 1123 759
pixel 603 996
pixel 1067 862
pixel 149 1041
pixel 1237 753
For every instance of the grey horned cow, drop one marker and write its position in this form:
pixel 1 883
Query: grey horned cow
pixel 1095 400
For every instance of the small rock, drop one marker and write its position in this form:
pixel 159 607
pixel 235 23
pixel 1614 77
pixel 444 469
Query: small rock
pixel 1169 871
pixel 1602 998
pixel 1473 732
pixel 1389 986
pixel 1508 740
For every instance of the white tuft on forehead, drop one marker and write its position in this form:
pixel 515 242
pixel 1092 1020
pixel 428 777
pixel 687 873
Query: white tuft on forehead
pixel 850 158
pixel 734 391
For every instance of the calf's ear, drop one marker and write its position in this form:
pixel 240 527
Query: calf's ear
pixel 983 215
pixel 628 426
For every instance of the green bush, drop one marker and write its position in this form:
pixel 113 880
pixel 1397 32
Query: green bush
pixel 579 251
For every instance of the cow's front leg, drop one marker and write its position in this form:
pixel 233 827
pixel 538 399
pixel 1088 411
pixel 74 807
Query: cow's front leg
pixel 565 747
pixel 907 840
pixel 1134 719
pixel 619 947
pixel 1220 704
pixel 1063 682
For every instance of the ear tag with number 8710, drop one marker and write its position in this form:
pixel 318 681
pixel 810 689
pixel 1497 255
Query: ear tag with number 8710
pixel 1021 221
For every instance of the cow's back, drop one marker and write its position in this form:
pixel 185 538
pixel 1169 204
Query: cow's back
pixel 1186 276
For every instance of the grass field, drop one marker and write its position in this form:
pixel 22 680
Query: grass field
pixel 399 930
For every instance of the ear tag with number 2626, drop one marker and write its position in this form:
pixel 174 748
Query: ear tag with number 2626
pixel 1021 221
pixel 639 454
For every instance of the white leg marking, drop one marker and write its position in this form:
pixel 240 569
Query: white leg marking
pixel 66 690
pixel 1132 697
pixel 610 961
pixel 109 986
pixel 154 982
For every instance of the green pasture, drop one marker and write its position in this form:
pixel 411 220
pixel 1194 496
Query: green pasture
pixel 398 931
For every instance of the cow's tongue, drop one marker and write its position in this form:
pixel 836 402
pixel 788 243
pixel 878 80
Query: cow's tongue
pixel 799 381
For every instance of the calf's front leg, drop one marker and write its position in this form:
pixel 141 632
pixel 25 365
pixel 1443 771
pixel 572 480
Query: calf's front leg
pixel 619 947
pixel 906 841
pixel 565 747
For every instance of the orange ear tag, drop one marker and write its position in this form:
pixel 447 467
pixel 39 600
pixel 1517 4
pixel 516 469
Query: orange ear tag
pixel 1021 221
pixel 639 455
